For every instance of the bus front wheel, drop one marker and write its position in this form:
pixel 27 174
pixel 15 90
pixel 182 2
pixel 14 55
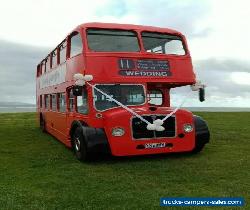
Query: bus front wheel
pixel 79 145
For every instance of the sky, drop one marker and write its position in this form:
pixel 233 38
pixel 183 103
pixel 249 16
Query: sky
pixel 217 32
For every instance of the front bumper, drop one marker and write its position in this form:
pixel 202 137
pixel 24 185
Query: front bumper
pixel 128 145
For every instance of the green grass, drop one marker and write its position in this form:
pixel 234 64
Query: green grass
pixel 38 172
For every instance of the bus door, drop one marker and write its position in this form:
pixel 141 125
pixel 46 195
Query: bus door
pixel 77 107
pixel 71 100
pixel 82 107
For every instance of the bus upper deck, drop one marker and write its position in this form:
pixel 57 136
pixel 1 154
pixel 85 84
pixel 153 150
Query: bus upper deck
pixel 123 53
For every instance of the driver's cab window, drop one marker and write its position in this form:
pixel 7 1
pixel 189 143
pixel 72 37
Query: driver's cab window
pixel 155 97
pixel 82 102
pixel 71 99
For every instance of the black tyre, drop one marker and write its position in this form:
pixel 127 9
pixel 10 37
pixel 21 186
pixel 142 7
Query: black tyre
pixel 202 134
pixel 43 125
pixel 198 147
pixel 79 145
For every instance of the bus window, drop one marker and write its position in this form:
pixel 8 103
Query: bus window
pixel 54 59
pixel 62 102
pixel 62 52
pixel 50 102
pixel 38 71
pixel 82 102
pixel 155 97
pixel 43 67
pixel 129 95
pixel 162 43
pixel 112 40
pixel 47 102
pixel 54 102
pixel 75 45
pixel 41 101
pixel 47 63
pixel 71 100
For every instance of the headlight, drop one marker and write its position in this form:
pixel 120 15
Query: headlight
pixel 188 128
pixel 118 132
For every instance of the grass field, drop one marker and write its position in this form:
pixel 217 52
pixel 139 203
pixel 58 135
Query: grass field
pixel 38 172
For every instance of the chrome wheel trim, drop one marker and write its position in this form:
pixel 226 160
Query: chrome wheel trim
pixel 77 144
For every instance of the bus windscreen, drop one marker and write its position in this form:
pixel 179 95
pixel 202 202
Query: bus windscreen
pixel 129 95
pixel 162 43
pixel 107 40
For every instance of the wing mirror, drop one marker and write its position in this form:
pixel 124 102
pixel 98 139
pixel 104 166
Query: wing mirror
pixel 198 86
pixel 202 94
pixel 77 90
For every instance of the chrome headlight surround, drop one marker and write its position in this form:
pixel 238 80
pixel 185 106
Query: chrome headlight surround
pixel 188 128
pixel 118 131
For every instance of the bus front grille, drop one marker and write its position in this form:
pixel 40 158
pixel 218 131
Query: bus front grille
pixel 140 131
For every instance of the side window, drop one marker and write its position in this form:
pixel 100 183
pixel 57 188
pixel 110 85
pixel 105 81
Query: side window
pixel 54 102
pixel 62 102
pixel 47 102
pixel 47 64
pixel 43 67
pixel 75 44
pixel 38 70
pixel 71 100
pixel 62 52
pixel 50 102
pixel 82 102
pixel 54 58
pixel 41 101
pixel 155 97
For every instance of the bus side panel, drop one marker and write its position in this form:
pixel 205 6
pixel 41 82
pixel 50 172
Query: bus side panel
pixel 57 125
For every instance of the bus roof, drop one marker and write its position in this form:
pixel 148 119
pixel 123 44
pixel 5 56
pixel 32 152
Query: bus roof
pixel 128 27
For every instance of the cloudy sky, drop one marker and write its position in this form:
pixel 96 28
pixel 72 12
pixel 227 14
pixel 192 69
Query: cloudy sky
pixel 217 31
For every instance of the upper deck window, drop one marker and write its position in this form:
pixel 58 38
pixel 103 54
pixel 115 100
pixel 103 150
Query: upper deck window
pixel 47 63
pixel 43 67
pixel 107 40
pixel 54 58
pixel 163 43
pixel 75 44
pixel 62 52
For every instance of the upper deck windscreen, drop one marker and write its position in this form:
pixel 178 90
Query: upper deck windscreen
pixel 162 43
pixel 107 40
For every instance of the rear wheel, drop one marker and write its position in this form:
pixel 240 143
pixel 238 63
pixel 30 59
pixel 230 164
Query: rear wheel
pixel 43 124
pixel 79 145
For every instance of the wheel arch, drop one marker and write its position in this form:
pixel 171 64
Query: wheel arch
pixel 74 125
pixel 95 138
pixel 202 133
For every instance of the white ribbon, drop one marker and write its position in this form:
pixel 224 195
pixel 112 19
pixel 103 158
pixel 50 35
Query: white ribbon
pixel 119 103
pixel 157 124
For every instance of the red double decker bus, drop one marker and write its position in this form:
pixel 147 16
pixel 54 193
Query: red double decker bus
pixel 106 88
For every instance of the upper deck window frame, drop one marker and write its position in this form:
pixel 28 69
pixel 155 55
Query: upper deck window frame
pixel 62 47
pixel 136 33
pixel 42 67
pixel 171 35
pixel 54 58
pixel 48 60
pixel 73 36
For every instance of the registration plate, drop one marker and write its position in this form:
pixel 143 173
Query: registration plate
pixel 154 145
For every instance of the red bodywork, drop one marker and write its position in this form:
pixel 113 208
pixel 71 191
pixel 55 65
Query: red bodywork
pixel 103 67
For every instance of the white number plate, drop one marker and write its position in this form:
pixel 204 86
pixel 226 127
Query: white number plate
pixel 154 145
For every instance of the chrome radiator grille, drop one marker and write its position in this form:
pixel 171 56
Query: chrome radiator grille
pixel 139 128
